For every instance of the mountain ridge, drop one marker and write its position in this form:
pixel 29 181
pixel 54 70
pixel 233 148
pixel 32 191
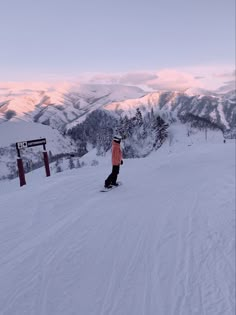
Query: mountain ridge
pixel 63 109
pixel 79 104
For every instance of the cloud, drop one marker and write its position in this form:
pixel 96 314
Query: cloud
pixel 33 86
pixel 228 86
pixel 171 79
pixel 137 78
pixel 229 74
pixel 160 80
pixel 199 77
pixel 206 77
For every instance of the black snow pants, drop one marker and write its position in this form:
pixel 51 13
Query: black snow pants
pixel 112 178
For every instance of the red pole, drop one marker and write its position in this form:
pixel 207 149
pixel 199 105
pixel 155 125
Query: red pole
pixel 21 172
pixel 46 163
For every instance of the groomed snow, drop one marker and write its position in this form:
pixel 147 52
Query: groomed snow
pixel 12 132
pixel 161 244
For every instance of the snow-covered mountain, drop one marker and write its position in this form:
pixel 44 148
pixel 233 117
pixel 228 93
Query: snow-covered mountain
pixel 47 111
pixel 163 243
pixel 62 108
pixel 220 108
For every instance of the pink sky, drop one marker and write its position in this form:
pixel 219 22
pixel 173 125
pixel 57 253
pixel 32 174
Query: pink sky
pixel 206 77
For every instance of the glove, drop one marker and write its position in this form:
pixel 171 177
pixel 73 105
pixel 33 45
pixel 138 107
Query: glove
pixel 121 162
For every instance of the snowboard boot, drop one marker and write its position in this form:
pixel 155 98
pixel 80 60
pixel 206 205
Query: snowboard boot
pixel 107 186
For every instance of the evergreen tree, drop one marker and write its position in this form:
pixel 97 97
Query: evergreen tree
pixel 139 118
pixel 71 163
pixel 78 165
pixel 58 166
pixel 125 127
pixel 160 130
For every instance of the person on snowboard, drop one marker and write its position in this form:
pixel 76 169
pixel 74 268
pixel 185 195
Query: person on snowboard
pixel 116 162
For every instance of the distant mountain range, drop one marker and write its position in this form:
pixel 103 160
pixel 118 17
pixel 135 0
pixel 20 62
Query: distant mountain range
pixel 63 109
pixel 27 114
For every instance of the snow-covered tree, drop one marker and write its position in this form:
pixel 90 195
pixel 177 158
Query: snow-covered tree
pixel 138 117
pixel 160 130
pixel 71 163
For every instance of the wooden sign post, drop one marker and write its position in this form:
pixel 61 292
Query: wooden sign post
pixel 28 144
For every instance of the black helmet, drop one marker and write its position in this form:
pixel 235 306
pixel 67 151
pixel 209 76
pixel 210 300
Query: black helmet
pixel 117 138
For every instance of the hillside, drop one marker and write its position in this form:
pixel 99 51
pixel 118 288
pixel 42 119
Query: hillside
pixel 162 243
pixel 65 116
pixel 63 107
pixel 220 108
pixel 12 132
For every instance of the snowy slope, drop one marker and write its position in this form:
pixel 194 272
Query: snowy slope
pixel 161 244
pixel 12 132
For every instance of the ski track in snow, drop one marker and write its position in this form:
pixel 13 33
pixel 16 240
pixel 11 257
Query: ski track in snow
pixel 161 244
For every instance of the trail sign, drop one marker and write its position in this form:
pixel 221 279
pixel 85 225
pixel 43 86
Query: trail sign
pixel 27 144
pixel 31 143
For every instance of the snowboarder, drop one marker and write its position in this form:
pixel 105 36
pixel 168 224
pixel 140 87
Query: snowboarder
pixel 116 162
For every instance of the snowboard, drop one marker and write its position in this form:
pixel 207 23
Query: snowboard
pixel 109 189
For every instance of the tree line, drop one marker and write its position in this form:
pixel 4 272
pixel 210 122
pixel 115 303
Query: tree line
pixel 141 133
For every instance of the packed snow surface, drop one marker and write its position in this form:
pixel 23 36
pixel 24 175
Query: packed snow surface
pixel 160 244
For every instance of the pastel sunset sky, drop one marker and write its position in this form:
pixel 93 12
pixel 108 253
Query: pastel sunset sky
pixel 157 43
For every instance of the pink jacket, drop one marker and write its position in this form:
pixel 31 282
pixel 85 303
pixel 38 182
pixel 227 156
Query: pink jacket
pixel 116 153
